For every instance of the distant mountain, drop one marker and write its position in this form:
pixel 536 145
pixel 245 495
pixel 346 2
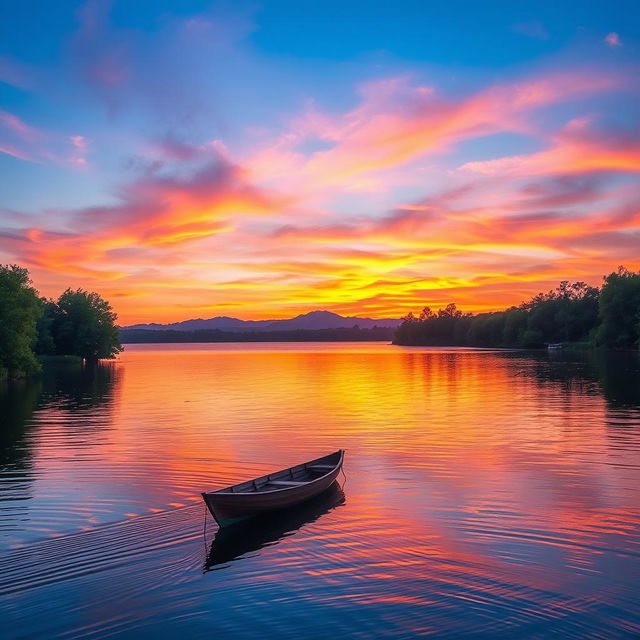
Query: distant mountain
pixel 312 320
pixel 220 322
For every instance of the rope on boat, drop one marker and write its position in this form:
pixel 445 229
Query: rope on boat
pixel 345 478
pixel 204 529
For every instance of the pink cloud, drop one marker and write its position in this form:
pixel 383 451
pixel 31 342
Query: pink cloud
pixel 29 143
pixel 18 126
pixel 16 153
pixel 613 39
pixel 80 147
pixel 397 124
pixel 565 157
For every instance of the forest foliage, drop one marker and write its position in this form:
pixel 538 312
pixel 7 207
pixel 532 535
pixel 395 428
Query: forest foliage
pixel 19 311
pixel 607 317
pixel 79 323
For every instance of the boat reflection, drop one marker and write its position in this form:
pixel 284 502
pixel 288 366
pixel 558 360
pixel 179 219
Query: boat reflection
pixel 235 541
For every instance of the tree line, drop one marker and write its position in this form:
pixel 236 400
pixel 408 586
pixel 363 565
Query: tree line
pixel 79 323
pixel 606 316
pixel 342 334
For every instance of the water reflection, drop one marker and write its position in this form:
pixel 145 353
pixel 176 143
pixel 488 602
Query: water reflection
pixel 18 400
pixel 235 541
pixel 58 414
pixel 619 375
pixel 80 386
pixel 615 375
pixel 490 493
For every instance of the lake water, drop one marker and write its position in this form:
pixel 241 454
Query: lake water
pixel 487 494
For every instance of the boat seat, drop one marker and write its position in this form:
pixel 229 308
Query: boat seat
pixel 321 467
pixel 285 483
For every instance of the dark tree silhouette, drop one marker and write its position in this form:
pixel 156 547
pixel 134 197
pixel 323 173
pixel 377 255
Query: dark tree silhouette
pixel 19 312
pixel 568 313
pixel 620 310
pixel 45 344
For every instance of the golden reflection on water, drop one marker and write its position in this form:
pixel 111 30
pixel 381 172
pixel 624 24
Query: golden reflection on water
pixel 469 427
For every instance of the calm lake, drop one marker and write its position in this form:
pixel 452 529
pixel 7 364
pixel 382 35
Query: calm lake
pixel 487 494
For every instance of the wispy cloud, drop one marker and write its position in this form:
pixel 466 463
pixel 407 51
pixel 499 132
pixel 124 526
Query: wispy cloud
pixel 613 39
pixel 573 150
pixel 80 147
pixel 397 123
pixel 33 144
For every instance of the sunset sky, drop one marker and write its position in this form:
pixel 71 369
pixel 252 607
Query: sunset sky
pixel 259 160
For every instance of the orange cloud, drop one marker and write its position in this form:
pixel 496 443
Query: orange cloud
pixel 157 211
pixel 571 157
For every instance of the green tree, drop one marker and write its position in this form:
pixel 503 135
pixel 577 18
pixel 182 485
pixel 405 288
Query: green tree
pixel 445 327
pixel 84 325
pixel 45 344
pixel 515 325
pixel 487 329
pixel 619 310
pixel 19 313
pixel 568 313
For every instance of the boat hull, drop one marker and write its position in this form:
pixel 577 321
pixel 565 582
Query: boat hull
pixel 248 535
pixel 230 507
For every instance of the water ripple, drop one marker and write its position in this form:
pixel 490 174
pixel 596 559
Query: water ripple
pixel 488 494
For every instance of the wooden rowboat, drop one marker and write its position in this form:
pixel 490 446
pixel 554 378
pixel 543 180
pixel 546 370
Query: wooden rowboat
pixel 277 490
